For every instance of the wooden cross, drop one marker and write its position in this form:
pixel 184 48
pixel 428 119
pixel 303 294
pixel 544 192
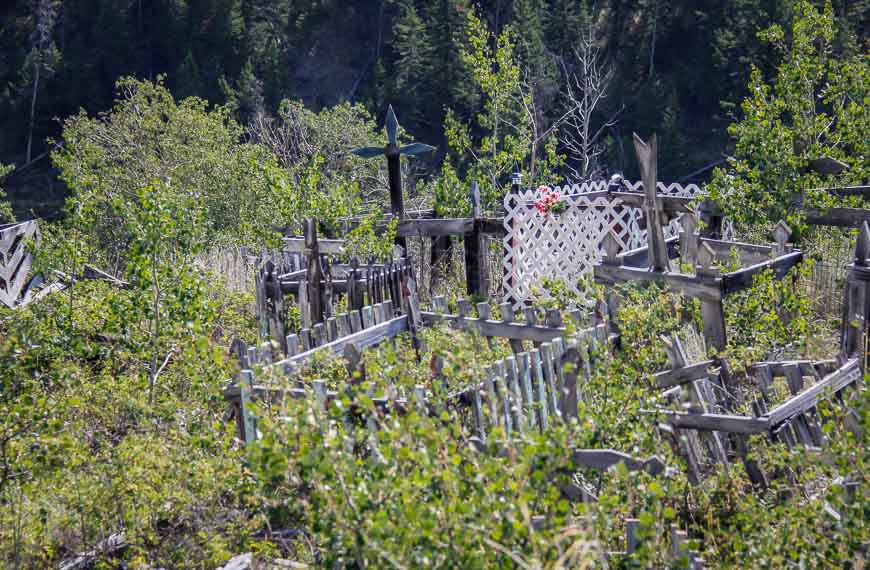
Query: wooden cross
pixel 647 157
pixel 392 152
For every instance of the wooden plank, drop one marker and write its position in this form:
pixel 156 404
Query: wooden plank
pixel 501 387
pixel 639 257
pixel 524 369
pixel 531 317
pixel 647 158
pixel 292 344
pixel 249 425
pixel 847 191
pixel 700 287
pixel 513 385
pixel 477 410
pixel 491 226
pixel 603 459
pixel 325 246
pixel 683 375
pixel 314 277
pixel 718 422
pixel 319 334
pixel 715 331
pixel 550 379
pixel 559 370
pixel 777 368
pixel 795 381
pixel 809 398
pixel 439 304
pixel 484 314
pixel 539 390
pixel 742 278
pixel 747 252
pixel 671 204
pixel 507 316
pixel 491 328
pixel 363 339
pixel 857 273
pixel 491 400
pixel 435 227
pixel 839 217
pixel 570 398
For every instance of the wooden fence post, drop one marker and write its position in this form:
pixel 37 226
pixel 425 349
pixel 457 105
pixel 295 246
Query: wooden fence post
pixel 856 305
pixel 397 200
pixel 314 276
pixel 712 311
pixel 249 423
pixel 476 270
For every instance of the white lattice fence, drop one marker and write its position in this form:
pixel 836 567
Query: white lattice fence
pixel 16 283
pixel 565 246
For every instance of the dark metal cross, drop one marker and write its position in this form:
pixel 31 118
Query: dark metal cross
pixel 392 152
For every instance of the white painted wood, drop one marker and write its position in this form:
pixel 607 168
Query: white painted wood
pixel 565 246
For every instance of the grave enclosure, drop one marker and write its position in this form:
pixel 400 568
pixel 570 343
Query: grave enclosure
pixel 651 235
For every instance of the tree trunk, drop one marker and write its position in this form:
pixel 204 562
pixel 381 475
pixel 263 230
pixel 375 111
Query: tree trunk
pixel 32 113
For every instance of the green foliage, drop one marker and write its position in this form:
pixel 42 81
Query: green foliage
pixel 112 414
pixel 315 150
pixel 771 317
pixel 86 452
pixel 195 153
pixel 6 214
pixel 367 240
pixel 814 107
pixel 413 495
pixel 511 140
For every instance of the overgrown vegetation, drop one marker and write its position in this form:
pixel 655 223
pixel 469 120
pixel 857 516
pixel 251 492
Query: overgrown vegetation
pixel 6 214
pixel 815 107
pixel 112 420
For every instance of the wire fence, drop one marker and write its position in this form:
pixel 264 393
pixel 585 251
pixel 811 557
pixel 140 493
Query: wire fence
pixel 829 251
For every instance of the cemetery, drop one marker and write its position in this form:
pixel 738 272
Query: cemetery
pixel 273 328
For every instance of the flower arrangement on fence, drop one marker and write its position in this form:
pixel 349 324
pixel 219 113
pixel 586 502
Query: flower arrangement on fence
pixel 549 202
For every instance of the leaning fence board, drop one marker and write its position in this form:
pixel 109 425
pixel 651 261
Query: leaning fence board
pixel 717 422
pixel 742 278
pixel 809 398
pixel 683 375
pixel 603 459
pixel 362 339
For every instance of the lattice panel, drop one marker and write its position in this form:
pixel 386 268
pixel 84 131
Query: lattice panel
pixel 565 246
pixel 15 263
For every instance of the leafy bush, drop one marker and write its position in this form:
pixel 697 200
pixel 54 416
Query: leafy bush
pixel 6 214
pixel 414 494
pixel 196 154
pixel 815 107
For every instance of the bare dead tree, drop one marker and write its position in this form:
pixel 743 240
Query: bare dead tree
pixel 288 138
pixel 587 86
pixel 298 136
